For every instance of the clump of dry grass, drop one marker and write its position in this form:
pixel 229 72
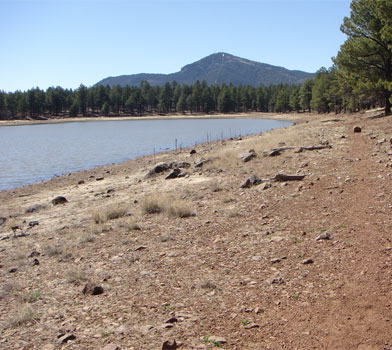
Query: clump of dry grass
pixel 179 208
pixel 109 213
pixel 76 275
pixel 22 315
pixel 9 289
pixel 153 204
pixel 86 238
pixel 164 203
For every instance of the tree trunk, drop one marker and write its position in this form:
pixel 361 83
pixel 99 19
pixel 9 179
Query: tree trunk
pixel 388 103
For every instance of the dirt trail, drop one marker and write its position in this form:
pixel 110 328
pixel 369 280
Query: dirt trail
pixel 243 271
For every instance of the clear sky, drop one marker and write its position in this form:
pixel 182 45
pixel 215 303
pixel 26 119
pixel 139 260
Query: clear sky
pixel 68 42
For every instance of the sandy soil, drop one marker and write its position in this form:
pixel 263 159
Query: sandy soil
pixel 242 270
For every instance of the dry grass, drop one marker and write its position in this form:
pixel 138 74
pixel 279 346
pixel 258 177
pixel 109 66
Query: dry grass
pixel 112 212
pixel 22 315
pixel 165 203
pixel 76 275
pixel 9 289
pixel 86 238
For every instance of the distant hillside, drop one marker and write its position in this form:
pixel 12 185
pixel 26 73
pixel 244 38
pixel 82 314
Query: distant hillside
pixel 217 69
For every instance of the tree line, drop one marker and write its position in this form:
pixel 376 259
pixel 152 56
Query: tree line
pixel 360 78
pixel 324 93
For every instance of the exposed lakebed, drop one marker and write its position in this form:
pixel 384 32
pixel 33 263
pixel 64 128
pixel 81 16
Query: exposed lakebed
pixel 33 153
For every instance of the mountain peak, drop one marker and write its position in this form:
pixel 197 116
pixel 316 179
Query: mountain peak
pixel 218 68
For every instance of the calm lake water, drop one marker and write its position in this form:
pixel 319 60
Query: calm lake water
pixel 33 153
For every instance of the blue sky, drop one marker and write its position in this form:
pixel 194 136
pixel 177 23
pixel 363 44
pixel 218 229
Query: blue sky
pixel 68 42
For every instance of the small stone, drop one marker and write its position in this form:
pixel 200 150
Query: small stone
pixel 35 262
pixel 217 339
pixel 274 261
pixel 80 182
pixel 33 223
pixel 357 129
pixel 92 289
pixel 111 347
pixel 275 280
pixel 13 270
pixel 274 153
pixel 99 178
pixel 169 345
pixel 59 200
pixel 251 326
pixel 324 236
pixel 48 347
pixel 142 247
pixel 266 186
pixel 66 338
pixel 172 320
pixel 307 261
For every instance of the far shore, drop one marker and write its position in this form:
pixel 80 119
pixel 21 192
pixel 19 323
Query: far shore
pixel 259 115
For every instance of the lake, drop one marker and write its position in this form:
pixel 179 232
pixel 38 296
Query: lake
pixel 33 153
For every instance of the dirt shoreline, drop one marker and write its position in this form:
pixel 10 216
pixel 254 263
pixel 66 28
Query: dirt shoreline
pixel 258 115
pixel 279 265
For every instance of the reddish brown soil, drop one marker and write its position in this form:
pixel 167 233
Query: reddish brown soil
pixel 211 272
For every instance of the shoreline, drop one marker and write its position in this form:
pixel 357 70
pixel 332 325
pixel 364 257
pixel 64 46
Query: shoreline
pixel 255 115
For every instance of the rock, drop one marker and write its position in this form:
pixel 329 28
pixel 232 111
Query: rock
pixel 251 326
pixel 246 156
pixel 274 153
pixel 199 163
pixel 111 347
pixel 324 236
pixel 33 223
pixel 251 181
pixel 174 174
pixel 216 339
pixel 169 345
pixel 307 261
pixel 157 169
pixel 99 178
pixel 80 182
pixel 91 289
pixel 192 151
pixel 357 129
pixel 65 338
pixel 284 177
pixel 179 165
pixel 110 190
pixel 48 347
pixel 59 200
pixel 266 186
pixel 172 320
pixel 12 270
pixel 276 260
pixel 35 262
pixel 34 208
pixel 34 253
pixel 275 280
pixel 2 220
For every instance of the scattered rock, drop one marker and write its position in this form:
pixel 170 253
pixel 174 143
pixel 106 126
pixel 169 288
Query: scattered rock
pixel 34 208
pixel 169 345
pixel 324 236
pixel 199 163
pixel 179 165
pixel 33 223
pixel 59 200
pixel 274 153
pixel 266 185
pixel 92 289
pixel 307 261
pixel 251 181
pixel 174 174
pixel 111 347
pixel 251 326
pixel 284 177
pixel 357 129
pixel 246 156
pixel 157 169
pixel 216 339
pixel 66 338
pixel 275 280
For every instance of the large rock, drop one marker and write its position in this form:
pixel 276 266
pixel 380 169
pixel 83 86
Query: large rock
pixel 179 165
pixel 59 200
pixel 251 181
pixel 174 174
pixel 246 156
pixel 157 169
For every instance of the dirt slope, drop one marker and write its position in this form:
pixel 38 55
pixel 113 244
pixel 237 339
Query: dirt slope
pixel 243 271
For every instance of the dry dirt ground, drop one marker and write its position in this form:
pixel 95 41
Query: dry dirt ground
pixel 242 269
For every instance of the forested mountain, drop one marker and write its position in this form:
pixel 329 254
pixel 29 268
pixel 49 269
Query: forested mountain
pixel 217 68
